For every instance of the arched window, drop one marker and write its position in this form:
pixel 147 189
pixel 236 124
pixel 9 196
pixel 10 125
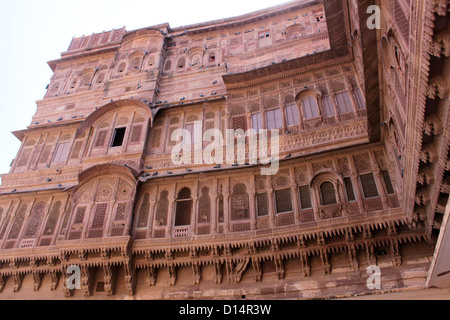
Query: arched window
pixel 35 221
pixel 204 210
pixel 240 203
pixel 135 64
pixel 86 80
pixel 310 108
pixel 144 211
pixel 162 209
pixel 184 208
pixel 181 63
pixel 327 193
pixel 50 226
pixel 168 65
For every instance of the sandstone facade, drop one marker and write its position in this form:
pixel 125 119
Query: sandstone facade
pixel 364 128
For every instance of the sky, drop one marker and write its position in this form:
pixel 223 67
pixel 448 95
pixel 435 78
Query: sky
pixel 35 32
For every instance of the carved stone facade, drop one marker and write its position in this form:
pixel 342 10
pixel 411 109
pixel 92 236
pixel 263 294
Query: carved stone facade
pixel 364 167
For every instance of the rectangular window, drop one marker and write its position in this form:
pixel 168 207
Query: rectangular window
pixel 292 115
pixel 349 189
pixel 344 102
pixel 388 182
pixel 359 99
pixel 328 106
pixel 283 200
pixel 274 119
pixel 189 129
pixel 305 197
pixel 310 108
pixel 118 138
pixel 262 205
pixel 257 122
pixel 62 152
pixel 369 186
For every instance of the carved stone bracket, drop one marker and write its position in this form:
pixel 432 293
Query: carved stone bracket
pixel 17 278
pixel 306 267
pixel 108 277
pixel 151 272
pixel 197 269
pixel 217 272
pixel 172 275
pixel 257 269
pixel 130 279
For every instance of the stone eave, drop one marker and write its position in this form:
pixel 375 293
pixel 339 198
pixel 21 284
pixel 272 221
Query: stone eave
pixel 246 18
pixel 83 53
pixel 285 69
pixel 20 134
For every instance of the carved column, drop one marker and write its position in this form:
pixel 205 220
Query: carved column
pixel 108 277
pixel 283 115
pixel 170 215
pixel 300 115
pixel 296 203
pixel 151 221
pixel 355 182
pixel 379 180
pixel 252 209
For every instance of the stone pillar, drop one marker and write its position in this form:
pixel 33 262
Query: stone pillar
pixel 252 207
pixel 170 215
pixel 194 218
pixel 295 202
pixel 300 115
pixel 283 115
pixel 151 214
pixel 379 180
pixel 356 184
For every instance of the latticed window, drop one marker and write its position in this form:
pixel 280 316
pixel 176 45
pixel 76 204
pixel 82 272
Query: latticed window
pixel 99 215
pixel 136 133
pixel 35 220
pixel 327 193
pixel 79 216
pixel 262 204
pixel 204 210
pixel 239 123
pixel 52 220
pixel 121 211
pixel 162 209
pixel 305 197
pixel 283 200
pixel 239 203
pixel 18 222
pixel 369 186
pixel 144 211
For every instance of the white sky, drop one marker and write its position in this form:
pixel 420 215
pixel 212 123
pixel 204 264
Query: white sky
pixel 33 32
